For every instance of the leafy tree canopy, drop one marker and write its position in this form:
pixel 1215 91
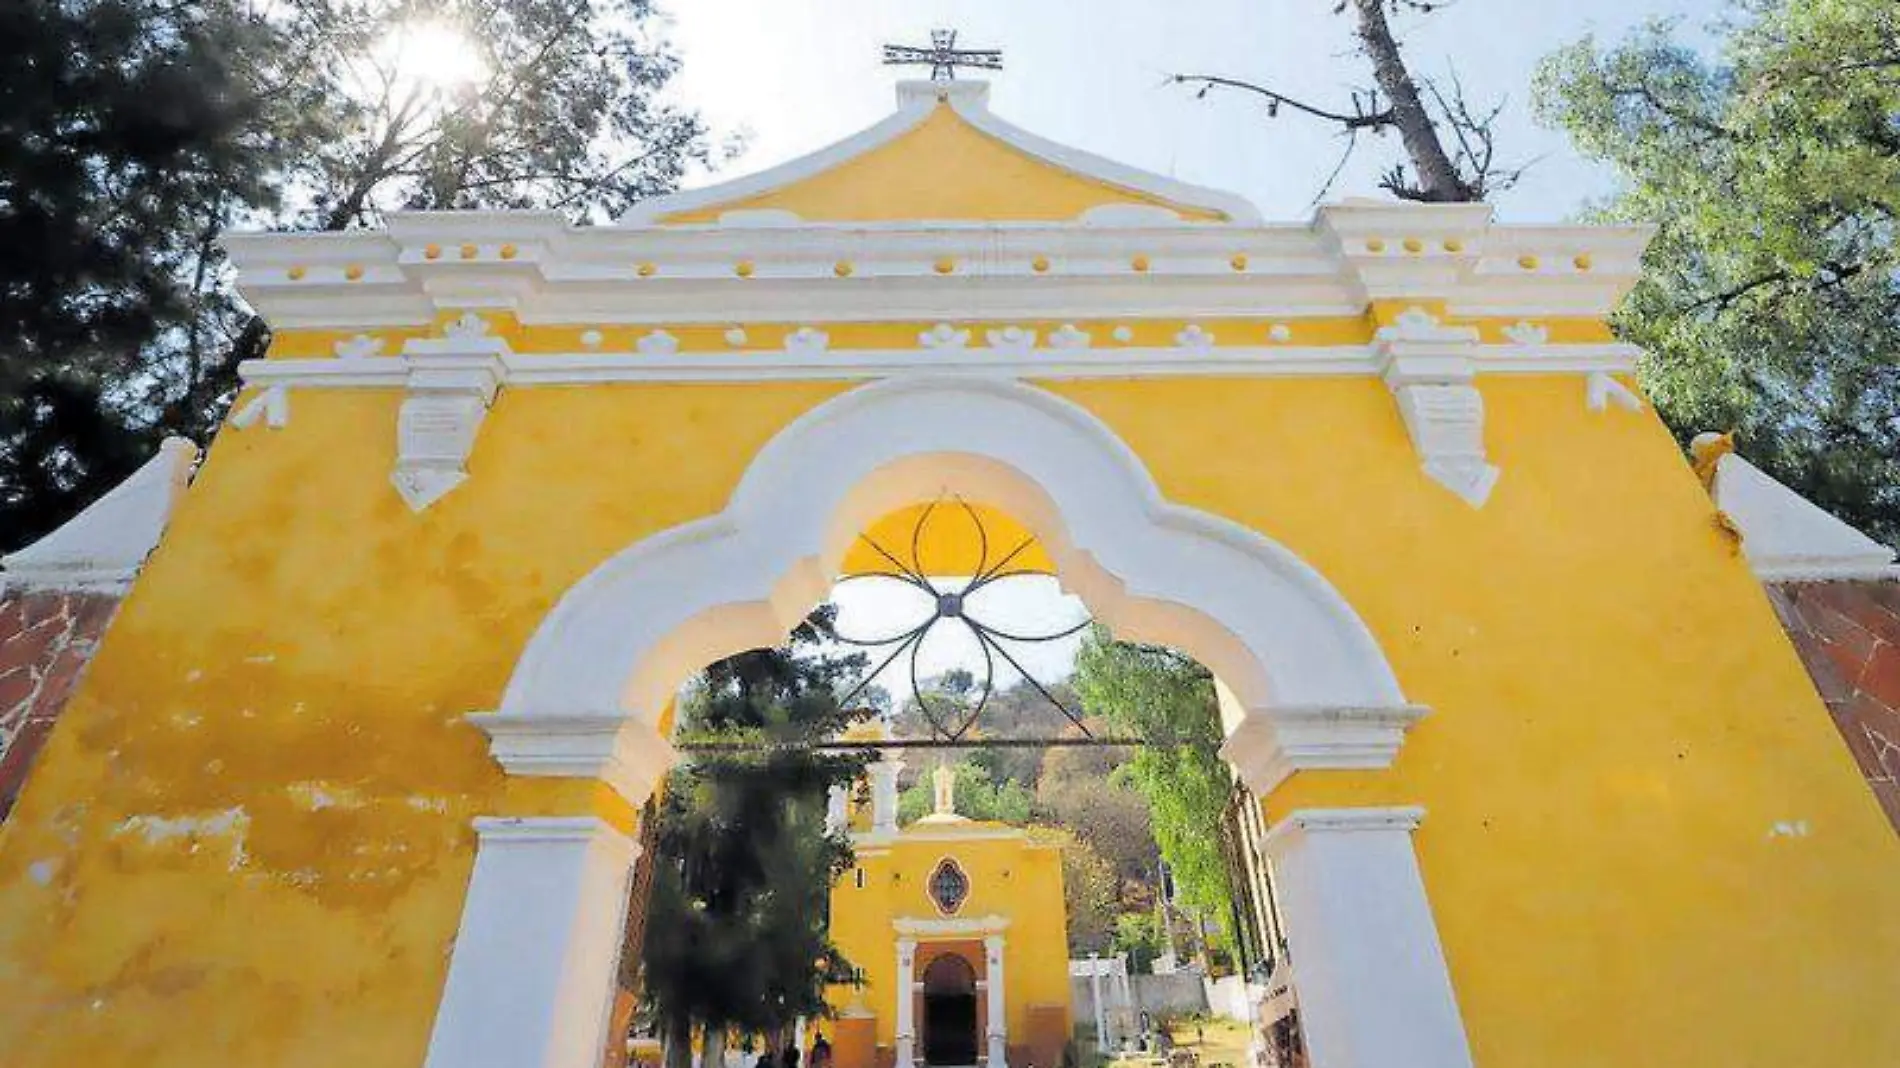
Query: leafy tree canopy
pixel 1167 699
pixel 1770 303
pixel 134 133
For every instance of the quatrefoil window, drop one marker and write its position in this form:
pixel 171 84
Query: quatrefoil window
pixel 949 887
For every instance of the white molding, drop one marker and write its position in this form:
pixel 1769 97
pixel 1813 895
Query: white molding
pixel 559 273
pixel 916 101
pixel 1269 626
pixel 531 974
pixel 1785 536
pixel 103 547
pixel 1601 390
pixel 1372 983
pixel 631 757
pixel 1431 372
pixel 450 382
pixel 809 361
pixel 916 927
pixel 1268 747
pixel 1406 818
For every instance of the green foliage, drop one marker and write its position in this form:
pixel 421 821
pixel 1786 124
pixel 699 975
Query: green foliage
pixel 737 920
pixel 1140 937
pixel 1168 700
pixel 1090 791
pixel 124 133
pixel 977 796
pixel 134 133
pixel 1769 303
pixel 1089 891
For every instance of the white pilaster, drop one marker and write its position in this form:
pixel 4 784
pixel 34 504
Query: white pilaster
pixel 999 1022
pixel 837 817
pixel 1101 1011
pixel 1373 987
pixel 906 1036
pixel 884 795
pixel 531 977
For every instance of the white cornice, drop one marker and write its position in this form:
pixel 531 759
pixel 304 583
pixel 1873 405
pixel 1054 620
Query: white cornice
pixel 1785 536
pixel 1273 742
pixel 914 927
pixel 1403 818
pixel 621 751
pixel 1046 363
pixel 102 548
pixel 542 270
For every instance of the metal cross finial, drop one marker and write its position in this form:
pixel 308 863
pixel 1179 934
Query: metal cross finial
pixel 943 57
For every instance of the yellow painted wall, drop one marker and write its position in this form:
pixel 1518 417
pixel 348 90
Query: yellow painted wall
pixel 1012 877
pixel 248 839
pixel 971 176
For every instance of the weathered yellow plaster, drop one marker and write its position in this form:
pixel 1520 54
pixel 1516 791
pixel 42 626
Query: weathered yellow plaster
pixel 250 832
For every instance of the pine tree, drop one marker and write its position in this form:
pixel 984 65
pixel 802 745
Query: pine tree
pixel 737 924
pixel 124 125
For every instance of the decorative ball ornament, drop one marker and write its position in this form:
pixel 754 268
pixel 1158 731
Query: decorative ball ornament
pixel 468 251
pixel 508 252
pixel 1140 264
pixel 1452 244
pixel 1414 245
pixel 1529 263
pixel 842 268
pixel 1375 245
pixel 1239 262
pixel 432 252
pixel 646 270
pixel 743 269
pixel 1040 265
pixel 944 265
pixel 353 272
pixel 296 273
pixel 1583 262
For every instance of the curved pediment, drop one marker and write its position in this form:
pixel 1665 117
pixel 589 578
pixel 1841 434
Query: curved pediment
pixel 943 156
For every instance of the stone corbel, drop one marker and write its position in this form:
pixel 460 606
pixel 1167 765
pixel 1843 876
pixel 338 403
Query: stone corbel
pixel 622 751
pixel 1430 370
pixel 1270 744
pixel 452 381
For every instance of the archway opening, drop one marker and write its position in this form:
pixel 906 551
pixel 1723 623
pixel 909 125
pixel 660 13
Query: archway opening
pixel 949 1016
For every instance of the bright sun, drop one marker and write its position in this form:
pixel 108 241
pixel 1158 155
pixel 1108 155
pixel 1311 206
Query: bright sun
pixel 430 56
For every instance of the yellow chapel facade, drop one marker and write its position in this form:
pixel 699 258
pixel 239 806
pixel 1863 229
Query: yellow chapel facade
pixel 958 929
pixel 354 773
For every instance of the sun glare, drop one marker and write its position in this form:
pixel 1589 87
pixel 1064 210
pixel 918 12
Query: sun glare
pixel 431 56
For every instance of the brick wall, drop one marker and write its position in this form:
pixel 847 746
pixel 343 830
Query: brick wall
pixel 1848 635
pixel 46 639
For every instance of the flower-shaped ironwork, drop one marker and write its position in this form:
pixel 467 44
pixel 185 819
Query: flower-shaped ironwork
pixel 952 606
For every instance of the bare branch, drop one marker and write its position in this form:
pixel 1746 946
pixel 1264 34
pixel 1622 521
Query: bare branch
pixel 1361 117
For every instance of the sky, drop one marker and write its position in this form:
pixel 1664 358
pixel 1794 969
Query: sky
pixel 795 75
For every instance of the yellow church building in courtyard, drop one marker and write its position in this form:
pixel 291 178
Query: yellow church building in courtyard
pixel 958 931
pixel 333 745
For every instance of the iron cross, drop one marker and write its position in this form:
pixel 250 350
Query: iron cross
pixel 943 57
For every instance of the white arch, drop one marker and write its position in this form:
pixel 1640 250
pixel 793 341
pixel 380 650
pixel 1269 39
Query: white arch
pixel 1304 683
